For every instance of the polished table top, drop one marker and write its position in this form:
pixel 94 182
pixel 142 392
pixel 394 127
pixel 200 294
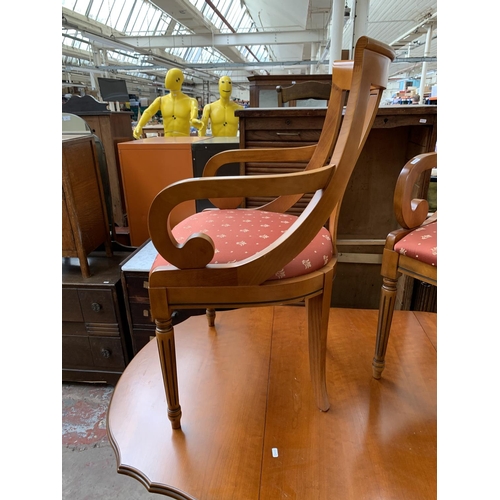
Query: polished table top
pixel 250 428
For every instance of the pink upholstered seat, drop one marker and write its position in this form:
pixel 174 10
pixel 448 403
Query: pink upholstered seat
pixel 239 234
pixel 420 244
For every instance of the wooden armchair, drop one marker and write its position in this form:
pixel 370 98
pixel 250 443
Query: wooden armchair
pixel 411 250
pixel 232 257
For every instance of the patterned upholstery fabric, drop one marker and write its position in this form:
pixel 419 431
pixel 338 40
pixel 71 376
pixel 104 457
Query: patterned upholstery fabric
pixel 420 244
pixel 239 234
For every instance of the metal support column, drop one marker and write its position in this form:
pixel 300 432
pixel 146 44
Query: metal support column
pixel 336 31
pixel 427 53
pixel 360 21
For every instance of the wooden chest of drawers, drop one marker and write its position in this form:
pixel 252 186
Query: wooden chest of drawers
pixel 298 127
pixel 95 336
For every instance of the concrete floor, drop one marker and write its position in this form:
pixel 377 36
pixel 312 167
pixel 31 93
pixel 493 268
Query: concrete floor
pixel 88 461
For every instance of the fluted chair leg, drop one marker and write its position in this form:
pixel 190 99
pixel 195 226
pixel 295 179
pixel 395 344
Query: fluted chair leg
pixel 166 350
pixel 386 310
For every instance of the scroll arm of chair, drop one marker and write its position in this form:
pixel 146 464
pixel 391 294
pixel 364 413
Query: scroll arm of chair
pixel 412 212
pixel 198 250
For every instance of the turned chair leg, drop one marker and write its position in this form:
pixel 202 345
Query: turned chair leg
pixel 211 316
pixel 386 310
pixel 166 350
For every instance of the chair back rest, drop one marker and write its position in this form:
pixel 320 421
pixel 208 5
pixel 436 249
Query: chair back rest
pixel 303 90
pixel 343 135
pixel 370 75
pixel 339 91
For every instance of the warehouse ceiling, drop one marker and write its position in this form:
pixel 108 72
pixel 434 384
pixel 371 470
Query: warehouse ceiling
pixel 292 37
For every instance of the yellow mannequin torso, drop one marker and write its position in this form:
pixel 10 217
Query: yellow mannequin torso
pixel 222 119
pixel 177 110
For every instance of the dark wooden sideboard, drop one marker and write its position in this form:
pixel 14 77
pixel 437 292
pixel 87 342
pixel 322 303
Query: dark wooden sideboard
pixel 96 343
pixel 367 215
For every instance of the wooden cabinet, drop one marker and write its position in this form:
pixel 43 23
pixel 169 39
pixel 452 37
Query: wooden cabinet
pixel 95 336
pixel 84 219
pixel 367 215
pixel 111 128
pixel 149 165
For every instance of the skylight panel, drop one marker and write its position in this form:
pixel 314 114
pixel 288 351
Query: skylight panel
pixel 79 6
pixel 121 14
pixel 74 39
pixel 199 4
pixel 100 11
pixel 235 15
pixel 136 19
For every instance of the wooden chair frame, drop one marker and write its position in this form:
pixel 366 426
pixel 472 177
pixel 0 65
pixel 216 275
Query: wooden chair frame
pixel 191 281
pixel 411 213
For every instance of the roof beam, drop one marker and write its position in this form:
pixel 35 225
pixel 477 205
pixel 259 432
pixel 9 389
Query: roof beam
pixel 224 39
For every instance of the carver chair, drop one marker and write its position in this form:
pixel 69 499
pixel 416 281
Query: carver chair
pixel 232 257
pixel 410 250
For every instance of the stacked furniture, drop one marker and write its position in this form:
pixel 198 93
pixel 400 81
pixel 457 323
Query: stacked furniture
pixel 95 337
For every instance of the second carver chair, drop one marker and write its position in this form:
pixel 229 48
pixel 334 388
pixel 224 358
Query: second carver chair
pixel 410 250
pixel 234 257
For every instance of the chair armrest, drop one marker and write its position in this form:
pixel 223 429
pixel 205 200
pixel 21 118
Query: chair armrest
pixel 412 212
pixel 199 248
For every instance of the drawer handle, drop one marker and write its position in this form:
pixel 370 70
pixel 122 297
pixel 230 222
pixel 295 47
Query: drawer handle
pixel 287 133
pixel 96 307
pixel 105 353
